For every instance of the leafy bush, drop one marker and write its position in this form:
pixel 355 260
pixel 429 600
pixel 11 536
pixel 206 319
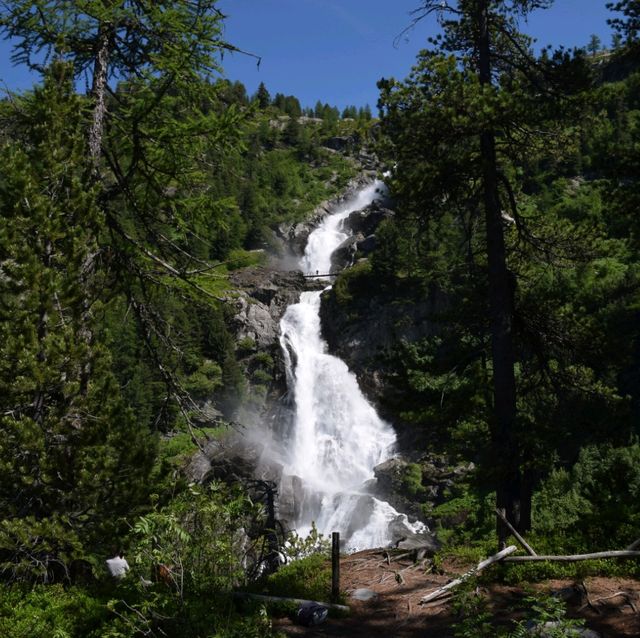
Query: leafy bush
pixel 595 505
pixel 308 578
pixel 205 380
pixel 412 479
pixel 543 616
pixel 49 611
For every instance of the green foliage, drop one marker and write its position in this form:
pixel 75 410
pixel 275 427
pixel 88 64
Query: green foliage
pixel 297 547
pixel 308 578
pixel 542 610
pixel 412 479
pixel 594 505
pixel 465 517
pixel 571 248
pixel 73 460
pixel 202 383
pixel 197 537
pixel 50 611
pixel 543 615
pixel 475 618
pixel 357 278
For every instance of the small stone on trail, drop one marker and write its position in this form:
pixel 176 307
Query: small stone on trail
pixel 364 594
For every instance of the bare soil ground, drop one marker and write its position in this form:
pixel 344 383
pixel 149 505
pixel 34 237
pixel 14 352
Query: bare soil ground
pixel 610 606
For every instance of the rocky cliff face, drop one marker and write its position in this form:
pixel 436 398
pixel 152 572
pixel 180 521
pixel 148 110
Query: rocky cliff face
pixel 260 299
pixel 365 329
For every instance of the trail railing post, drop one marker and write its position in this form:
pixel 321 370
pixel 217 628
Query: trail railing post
pixel 335 566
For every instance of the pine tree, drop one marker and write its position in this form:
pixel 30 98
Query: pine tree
pixel 595 44
pixel 149 152
pixel 479 84
pixel 72 462
pixel 629 24
pixel 262 97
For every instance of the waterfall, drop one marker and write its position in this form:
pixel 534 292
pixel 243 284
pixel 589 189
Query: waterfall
pixel 337 438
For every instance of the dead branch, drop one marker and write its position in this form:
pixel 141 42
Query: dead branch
pixel 589 603
pixel 445 597
pixel 574 557
pixel 622 594
pixel 519 538
pixel 474 570
pixel 296 601
pixel 634 546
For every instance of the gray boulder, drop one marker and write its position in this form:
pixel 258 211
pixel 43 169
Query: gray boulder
pixel 367 220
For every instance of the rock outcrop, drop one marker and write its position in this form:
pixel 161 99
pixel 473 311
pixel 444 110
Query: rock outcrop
pixel 260 299
pixel 362 225
pixel 366 221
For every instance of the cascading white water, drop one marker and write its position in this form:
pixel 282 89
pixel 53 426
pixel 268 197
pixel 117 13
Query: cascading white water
pixel 337 437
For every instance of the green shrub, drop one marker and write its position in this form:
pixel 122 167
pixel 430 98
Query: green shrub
pixel 262 377
pixel 308 578
pixel 51 611
pixel 593 506
pixel 205 380
pixel 351 281
pixel 264 359
pixel 412 479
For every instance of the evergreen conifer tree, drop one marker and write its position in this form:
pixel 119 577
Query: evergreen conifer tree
pixel 72 462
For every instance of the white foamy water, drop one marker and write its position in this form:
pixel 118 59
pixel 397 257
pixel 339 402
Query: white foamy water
pixel 337 437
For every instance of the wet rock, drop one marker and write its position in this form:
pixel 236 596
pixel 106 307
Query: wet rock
pixel 422 545
pixel 367 220
pixel 290 498
pixel 365 345
pixel 341 143
pixel 367 245
pixel 343 256
pixel 260 299
pixel 230 461
pixel 253 321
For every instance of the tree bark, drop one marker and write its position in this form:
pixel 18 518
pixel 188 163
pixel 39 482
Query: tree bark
pixel 99 92
pixel 500 308
pixel 96 130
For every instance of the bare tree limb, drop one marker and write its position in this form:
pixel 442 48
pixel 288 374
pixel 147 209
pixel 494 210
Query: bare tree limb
pixel 479 567
pixel 572 558
pixel 519 538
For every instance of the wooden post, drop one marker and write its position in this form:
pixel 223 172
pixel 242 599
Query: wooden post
pixel 335 566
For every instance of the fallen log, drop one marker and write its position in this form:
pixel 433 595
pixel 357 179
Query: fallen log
pixel 474 570
pixel 527 548
pixel 635 545
pixel 574 557
pixel 295 601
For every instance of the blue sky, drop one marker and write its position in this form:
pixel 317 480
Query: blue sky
pixel 336 50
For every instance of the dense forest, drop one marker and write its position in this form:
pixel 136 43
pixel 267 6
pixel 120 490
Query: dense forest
pixel 127 206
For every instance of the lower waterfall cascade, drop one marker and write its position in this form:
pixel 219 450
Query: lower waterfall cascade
pixel 336 438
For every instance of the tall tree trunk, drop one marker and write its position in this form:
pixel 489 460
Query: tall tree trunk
pixel 99 92
pixel 96 131
pixel 500 309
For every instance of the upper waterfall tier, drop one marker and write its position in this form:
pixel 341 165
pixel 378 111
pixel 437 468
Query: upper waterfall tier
pixel 329 235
